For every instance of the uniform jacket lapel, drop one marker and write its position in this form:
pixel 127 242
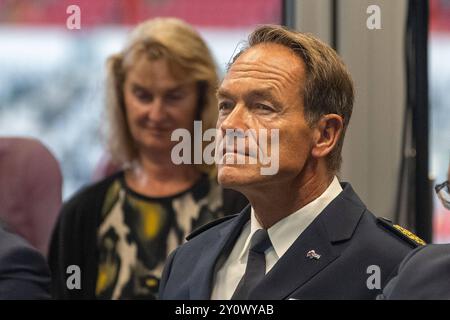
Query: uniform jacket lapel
pixel 336 223
pixel 213 252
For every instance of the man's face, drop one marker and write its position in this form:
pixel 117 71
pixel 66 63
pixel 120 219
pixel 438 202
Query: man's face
pixel 263 90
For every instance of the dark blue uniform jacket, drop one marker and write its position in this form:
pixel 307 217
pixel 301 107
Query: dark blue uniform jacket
pixel 354 246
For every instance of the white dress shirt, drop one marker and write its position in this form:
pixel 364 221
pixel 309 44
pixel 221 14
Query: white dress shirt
pixel 282 235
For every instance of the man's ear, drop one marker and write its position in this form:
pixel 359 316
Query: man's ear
pixel 327 132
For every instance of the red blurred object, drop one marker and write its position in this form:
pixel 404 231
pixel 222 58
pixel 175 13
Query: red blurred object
pixel 30 190
pixel 217 13
pixel 441 224
pixel 440 15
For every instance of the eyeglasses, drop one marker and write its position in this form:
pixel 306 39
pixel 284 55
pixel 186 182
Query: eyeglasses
pixel 443 192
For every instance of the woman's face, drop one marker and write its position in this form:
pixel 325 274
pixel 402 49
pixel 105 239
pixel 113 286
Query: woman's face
pixel 156 104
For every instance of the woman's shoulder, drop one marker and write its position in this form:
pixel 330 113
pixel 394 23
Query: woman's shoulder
pixel 90 198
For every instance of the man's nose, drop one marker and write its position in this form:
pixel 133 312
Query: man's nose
pixel 236 120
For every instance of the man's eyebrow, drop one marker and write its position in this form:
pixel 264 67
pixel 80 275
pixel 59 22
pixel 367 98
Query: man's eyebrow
pixel 261 94
pixel 221 93
pixel 264 94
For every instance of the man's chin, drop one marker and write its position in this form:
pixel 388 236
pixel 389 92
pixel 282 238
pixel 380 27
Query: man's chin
pixel 235 177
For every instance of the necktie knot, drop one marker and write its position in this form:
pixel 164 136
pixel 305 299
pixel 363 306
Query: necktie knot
pixel 256 265
pixel 260 241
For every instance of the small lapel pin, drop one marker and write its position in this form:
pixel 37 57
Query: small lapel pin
pixel 313 255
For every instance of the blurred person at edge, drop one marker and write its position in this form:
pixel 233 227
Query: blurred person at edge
pixel 424 273
pixel 24 273
pixel 120 230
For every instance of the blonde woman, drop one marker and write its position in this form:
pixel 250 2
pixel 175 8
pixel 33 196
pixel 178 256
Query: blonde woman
pixel 118 233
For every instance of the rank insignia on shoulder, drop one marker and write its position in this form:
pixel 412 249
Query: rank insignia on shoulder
pixel 401 232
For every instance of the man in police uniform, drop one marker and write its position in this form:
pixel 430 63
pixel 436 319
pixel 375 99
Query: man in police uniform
pixel 24 274
pixel 424 274
pixel 304 235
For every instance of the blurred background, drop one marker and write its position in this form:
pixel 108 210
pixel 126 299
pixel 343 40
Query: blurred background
pixel 51 80
pixel 51 85
pixel 439 73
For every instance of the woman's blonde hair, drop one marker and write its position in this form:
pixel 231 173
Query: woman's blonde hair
pixel 189 59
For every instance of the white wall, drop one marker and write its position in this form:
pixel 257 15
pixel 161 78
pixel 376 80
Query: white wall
pixel 375 60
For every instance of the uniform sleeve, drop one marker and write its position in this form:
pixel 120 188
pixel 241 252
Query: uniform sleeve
pixel 422 275
pixel 24 274
pixel 165 275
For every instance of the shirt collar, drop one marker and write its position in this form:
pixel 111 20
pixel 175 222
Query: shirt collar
pixel 287 230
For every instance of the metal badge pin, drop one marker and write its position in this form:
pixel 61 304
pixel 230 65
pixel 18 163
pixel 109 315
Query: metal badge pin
pixel 313 255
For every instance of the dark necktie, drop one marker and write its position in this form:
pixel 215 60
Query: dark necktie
pixel 256 265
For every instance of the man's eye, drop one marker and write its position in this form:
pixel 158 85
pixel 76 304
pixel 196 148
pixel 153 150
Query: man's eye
pixel 263 107
pixel 225 105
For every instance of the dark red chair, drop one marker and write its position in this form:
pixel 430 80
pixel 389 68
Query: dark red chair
pixel 30 190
